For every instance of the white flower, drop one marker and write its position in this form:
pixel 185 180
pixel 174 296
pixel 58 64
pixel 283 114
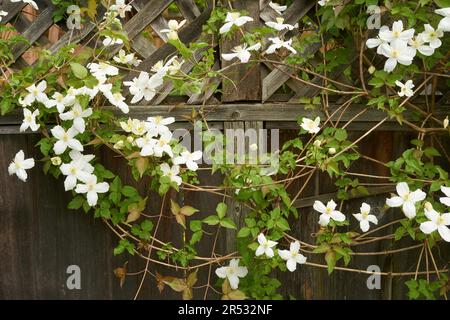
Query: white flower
pixel 121 8
pixel 60 101
pixel 128 59
pixel 36 93
pixel 437 222
pixel 117 100
pixel 292 256
pixel 77 114
pixel 3 14
pixel 175 66
pixel 311 126
pixel 275 6
pixel 108 41
pixel 406 199
pixel 377 42
pixel 280 25
pixel 171 172
pixel 232 272
pixel 92 189
pixel 323 2
pixel 30 2
pixel 445 200
pixel 147 144
pixel 19 166
pixel 29 120
pixel 418 43
pixel 174 26
pixel 328 212
pixel 265 246
pixel 161 68
pixel 85 158
pixel 159 123
pixel 66 139
pixel 101 70
pixel 397 33
pixel 189 159
pixel 432 36
pixel 405 89
pixel 234 19
pixel 163 145
pixel 241 52
pixel 277 43
pixel 364 217
pixel 134 126
pixel 74 171
pixel 144 87
pixel 444 24
pixel 397 51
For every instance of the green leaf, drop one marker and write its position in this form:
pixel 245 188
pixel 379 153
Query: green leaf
pixel 78 70
pixel 221 210
pixel 244 232
pixel 330 258
pixel 130 192
pixel 76 203
pixel 195 225
pixel 211 220
pixel 283 224
pixel 228 223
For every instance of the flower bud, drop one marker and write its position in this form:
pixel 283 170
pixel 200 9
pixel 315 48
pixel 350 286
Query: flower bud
pixel 332 151
pixel 119 145
pixel 172 35
pixel 317 143
pixel 56 161
pixel 446 122
pixel 428 206
pixel 130 139
pixel 372 69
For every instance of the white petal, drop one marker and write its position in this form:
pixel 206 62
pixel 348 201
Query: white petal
pixel 319 206
pixel 394 202
pixel 59 147
pixel 402 189
pixel 291 265
pixel 444 232
pixel 92 198
pixel 364 225
pixel 409 209
pixel 428 227
pixel 221 272
pixel 337 216
pixel 234 281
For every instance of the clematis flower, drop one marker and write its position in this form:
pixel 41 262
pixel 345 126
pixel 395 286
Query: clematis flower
pixel 232 272
pixel 418 43
pixel 174 26
pixel 147 144
pixel 92 189
pixel 74 171
pixel 66 139
pixel 437 222
pixel 175 66
pixel 189 159
pixel 377 42
pixel 405 89
pixel 397 51
pixel 118 100
pixel 109 41
pixel 445 200
pixel 30 2
pixel 121 7
pixel 60 101
pixel 444 24
pixel 397 33
pixel 328 212
pixel 134 126
pixel 159 123
pixel 29 120
pixel 3 14
pixel 279 24
pixel 241 52
pixel 77 114
pixel 292 256
pixel 171 173
pixel 160 68
pixel 36 93
pixel 278 8
pixel 128 59
pixel 84 158
pixel 144 87
pixel 364 217
pixel 19 166
pixel 406 199
pixel 101 70
pixel 163 145
pixel 311 126
pixel 234 19
pixel 265 246
pixel 277 43
pixel 432 36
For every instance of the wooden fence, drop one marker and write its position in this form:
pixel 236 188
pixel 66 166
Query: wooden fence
pixel 40 238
